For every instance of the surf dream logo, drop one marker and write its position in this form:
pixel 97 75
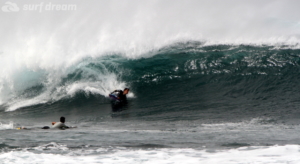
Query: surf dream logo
pixel 40 7
pixel 10 7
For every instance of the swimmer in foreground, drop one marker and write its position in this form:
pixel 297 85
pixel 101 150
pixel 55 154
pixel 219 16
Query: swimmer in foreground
pixel 61 125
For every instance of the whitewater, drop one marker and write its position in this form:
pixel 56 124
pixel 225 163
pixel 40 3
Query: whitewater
pixel 210 81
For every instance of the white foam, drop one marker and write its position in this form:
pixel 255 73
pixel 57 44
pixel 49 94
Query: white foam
pixel 104 83
pixel 52 146
pixel 244 155
pixel 102 88
pixel 4 126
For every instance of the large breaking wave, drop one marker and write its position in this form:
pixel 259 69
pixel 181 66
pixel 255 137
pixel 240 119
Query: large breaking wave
pixel 193 69
pixel 234 49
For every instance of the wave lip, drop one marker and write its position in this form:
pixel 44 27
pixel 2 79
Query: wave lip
pixel 89 76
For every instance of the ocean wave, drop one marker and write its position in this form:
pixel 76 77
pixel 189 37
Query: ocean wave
pixel 255 72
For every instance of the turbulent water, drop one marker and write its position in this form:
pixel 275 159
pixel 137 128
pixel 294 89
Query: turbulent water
pixel 201 90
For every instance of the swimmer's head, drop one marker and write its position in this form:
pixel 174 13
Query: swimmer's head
pixel 62 119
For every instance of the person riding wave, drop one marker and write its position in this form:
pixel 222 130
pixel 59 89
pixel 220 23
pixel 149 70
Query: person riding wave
pixel 119 94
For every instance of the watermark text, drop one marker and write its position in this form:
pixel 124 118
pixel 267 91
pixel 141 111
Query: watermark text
pixel 40 7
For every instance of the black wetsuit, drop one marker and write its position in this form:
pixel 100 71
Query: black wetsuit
pixel 121 95
pixel 121 104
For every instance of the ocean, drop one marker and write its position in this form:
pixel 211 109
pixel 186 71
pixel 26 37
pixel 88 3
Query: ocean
pixel 205 87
